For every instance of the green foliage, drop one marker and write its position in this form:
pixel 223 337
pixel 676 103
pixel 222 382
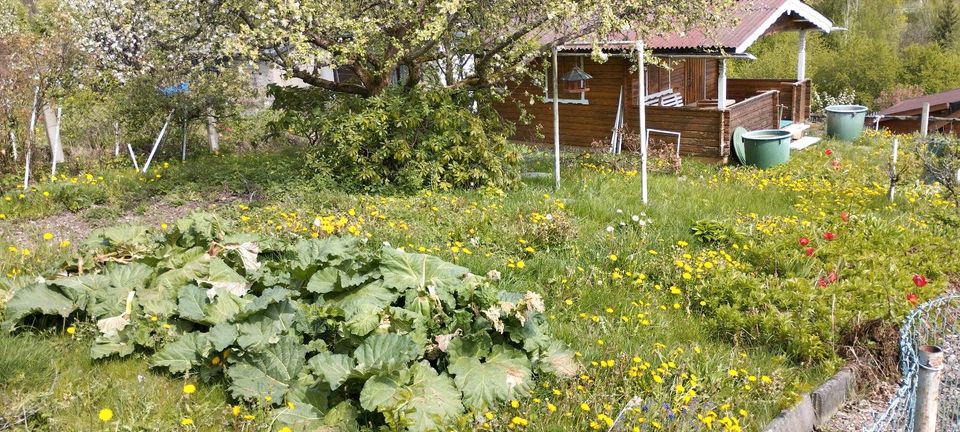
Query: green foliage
pixel 948 20
pixel 403 140
pixel 299 326
pixel 709 231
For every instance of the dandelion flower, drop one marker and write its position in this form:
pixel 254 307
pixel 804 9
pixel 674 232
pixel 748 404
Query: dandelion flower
pixel 105 414
pixel 71 330
pixel 189 389
pixel 186 421
pixel 47 236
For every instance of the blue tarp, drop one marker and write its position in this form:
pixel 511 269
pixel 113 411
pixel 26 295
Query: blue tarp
pixel 174 89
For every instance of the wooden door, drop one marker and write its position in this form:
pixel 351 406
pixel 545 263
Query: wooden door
pixel 694 86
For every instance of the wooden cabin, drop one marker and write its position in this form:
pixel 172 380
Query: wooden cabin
pixel 687 91
pixel 905 117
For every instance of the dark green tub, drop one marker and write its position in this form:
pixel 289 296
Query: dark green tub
pixel 766 147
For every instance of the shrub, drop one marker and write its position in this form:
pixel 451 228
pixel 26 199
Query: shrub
pixel 403 140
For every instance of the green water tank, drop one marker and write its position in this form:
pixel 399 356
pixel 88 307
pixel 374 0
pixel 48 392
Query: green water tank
pixel 845 122
pixel 766 147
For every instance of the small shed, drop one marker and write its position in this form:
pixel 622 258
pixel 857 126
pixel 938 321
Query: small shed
pixel 689 94
pixel 905 117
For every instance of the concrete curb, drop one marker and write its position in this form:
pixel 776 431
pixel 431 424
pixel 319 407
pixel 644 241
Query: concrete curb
pixel 816 408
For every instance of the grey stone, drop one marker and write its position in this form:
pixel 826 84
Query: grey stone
pixel 830 397
pixel 799 418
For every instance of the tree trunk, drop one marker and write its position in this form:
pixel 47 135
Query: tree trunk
pixel 212 134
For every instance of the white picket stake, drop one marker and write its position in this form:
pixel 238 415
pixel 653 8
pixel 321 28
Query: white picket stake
pixel 925 119
pixel 556 123
pixel 116 139
pixel 156 144
pixel 183 157
pixel 31 135
pixel 893 169
pixel 133 157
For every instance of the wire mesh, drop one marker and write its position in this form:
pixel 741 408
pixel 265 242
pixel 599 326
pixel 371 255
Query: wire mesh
pixel 936 322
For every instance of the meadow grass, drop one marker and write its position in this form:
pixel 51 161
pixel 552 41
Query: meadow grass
pixel 49 377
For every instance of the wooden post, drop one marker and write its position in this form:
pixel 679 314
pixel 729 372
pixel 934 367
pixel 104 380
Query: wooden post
pixel 642 109
pixel 556 123
pixel 925 119
pixel 802 57
pixel 722 85
pixel 930 360
pixel 212 135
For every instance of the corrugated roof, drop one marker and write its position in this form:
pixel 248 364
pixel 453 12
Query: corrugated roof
pixel 937 101
pixel 747 21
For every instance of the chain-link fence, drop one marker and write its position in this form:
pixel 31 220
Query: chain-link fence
pixel 936 323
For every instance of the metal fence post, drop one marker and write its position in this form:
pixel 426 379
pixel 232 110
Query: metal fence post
pixel 928 388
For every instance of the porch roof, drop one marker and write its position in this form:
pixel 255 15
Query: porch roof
pixel 748 20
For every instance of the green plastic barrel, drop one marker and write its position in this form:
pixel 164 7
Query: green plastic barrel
pixel 766 147
pixel 845 122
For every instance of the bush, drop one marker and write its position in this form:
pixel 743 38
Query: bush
pixel 404 140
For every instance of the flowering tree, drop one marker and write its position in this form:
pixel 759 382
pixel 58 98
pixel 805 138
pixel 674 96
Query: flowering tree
pixel 373 39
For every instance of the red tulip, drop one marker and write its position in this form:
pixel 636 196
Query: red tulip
pixel 919 280
pixel 804 241
pixel 821 283
pixel 832 277
pixel 829 236
pixel 829 152
pixel 844 216
pixel 809 252
pixel 912 298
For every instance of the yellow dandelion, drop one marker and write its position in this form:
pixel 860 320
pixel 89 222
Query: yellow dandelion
pixel 187 421
pixel 48 236
pixel 189 389
pixel 105 414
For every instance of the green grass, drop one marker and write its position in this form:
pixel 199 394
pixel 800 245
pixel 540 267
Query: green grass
pixel 51 376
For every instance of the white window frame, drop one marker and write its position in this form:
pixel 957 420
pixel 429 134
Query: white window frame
pixel 549 80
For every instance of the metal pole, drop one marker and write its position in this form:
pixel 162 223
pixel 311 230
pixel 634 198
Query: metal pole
pixel 802 57
pixel 153 151
pixel 183 157
pixel 642 109
pixel 893 170
pixel 925 119
pixel 722 85
pixel 133 157
pixel 556 123
pixel 930 360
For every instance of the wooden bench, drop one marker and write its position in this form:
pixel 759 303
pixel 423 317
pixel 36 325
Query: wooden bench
pixel 666 98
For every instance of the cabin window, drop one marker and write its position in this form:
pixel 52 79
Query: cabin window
pixel 565 63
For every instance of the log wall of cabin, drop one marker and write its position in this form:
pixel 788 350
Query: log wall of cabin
pixel 584 124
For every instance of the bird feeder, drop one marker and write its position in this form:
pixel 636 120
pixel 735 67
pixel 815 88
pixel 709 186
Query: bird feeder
pixel 575 81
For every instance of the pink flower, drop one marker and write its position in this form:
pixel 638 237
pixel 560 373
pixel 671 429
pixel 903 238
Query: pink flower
pixel 844 216
pixel 809 252
pixel 829 236
pixel 804 241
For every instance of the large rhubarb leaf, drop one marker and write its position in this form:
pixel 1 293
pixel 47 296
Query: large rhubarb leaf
pixel 403 271
pixel 182 354
pixel 427 403
pixel 194 305
pixel 37 298
pixel 333 368
pixel 504 374
pixel 271 372
pixel 385 352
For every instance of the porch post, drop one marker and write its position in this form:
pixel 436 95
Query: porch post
pixel 556 123
pixel 642 109
pixel 722 85
pixel 802 57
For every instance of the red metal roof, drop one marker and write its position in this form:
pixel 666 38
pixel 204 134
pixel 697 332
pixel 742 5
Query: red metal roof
pixel 937 102
pixel 747 20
